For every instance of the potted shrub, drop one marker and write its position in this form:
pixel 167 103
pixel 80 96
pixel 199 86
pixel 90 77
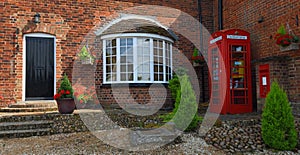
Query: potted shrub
pixel 196 57
pixel 85 96
pixel 286 41
pixel 86 57
pixel 64 97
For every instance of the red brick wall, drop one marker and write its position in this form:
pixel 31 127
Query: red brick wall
pixel 69 21
pixel 244 14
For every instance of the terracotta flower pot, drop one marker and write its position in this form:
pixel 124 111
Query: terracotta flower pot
pixel 66 105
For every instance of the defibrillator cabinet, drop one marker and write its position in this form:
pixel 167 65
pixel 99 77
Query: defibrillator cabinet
pixel 229 56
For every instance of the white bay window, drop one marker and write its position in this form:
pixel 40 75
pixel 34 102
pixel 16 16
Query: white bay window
pixel 136 58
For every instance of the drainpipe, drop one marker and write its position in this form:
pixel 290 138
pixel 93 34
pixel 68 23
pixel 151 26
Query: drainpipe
pixel 220 14
pixel 201 49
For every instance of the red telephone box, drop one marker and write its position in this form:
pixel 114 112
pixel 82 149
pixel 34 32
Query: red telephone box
pixel 229 52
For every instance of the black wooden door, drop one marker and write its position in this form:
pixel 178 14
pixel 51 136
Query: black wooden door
pixel 39 68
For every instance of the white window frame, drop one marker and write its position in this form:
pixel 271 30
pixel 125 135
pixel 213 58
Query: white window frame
pixel 135 36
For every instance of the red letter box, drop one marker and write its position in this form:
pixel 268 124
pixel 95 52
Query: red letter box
pixel 264 80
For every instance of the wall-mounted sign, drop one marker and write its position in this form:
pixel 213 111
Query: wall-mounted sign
pixel 215 40
pixel 264 81
pixel 236 37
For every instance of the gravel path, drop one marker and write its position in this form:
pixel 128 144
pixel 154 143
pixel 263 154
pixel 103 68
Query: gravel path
pixel 86 143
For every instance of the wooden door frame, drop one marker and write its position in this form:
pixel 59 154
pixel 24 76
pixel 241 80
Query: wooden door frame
pixel 40 35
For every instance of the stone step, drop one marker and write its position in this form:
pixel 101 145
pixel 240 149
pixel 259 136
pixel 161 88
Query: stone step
pixel 31 106
pixel 28 125
pixel 24 133
pixel 34 104
pixel 26 118
pixel 152 137
pixel 39 109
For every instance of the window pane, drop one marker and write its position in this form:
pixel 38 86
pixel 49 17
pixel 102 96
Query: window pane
pixel 161 60
pixel 156 60
pixel 108 43
pixel 123 68
pixel 160 44
pixel 155 68
pixel 114 68
pixel 146 68
pixel 123 41
pixel 155 51
pixel 161 78
pixel 114 51
pixel 129 59
pixel 108 69
pixel 146 77
pixel 123 50
pixel 155 77
pixel 155 43
pixel 114 59
pixel 129 50
pixel 130 41
pixel 123 59
pixel 108 60
pixel 140 77
pixel 108 77
pixel 130 68
pixel 123 77
pixel 140 70
pixel 114 42
pixel 130 76
pixel 161 69
pixel 113 77
pixel 108 51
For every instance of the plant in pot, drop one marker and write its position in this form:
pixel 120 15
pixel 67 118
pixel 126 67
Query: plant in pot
pixel 286 41
pixel 196 57
pixel 64 97
pixel 85 96
pixel 86 57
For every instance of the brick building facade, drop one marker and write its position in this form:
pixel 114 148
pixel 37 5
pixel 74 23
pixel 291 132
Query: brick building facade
pixel 70 21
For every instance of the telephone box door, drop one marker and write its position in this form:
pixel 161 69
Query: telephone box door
pixel 216 79
pixel 240 82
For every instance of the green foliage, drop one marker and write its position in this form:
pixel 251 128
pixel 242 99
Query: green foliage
pixel 174 86
pixel 65 85
pixel 196 52
pixel 281 30
pixel 278 128
pixel 84 54
pixel 295 39
pixel 174 83
pixel 185 107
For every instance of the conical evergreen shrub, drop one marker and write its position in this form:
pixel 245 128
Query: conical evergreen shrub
pixel 186 107
pixel 278 128
pixel 66 86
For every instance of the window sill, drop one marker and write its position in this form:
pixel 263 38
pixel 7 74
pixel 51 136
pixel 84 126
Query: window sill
pixel 132 85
